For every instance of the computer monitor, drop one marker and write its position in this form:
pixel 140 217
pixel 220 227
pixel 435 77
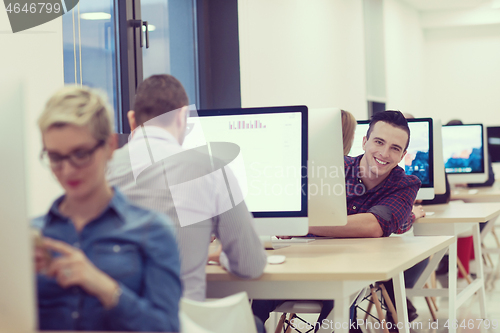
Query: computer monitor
pixel 327 197
pixel 493 133
pixel 439 174
pixel 293 160
pixel 419 159
pixel 17 283
pixel 464 155
pixel 272 167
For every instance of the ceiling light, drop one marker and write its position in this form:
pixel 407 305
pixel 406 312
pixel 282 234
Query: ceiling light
pixel 95 16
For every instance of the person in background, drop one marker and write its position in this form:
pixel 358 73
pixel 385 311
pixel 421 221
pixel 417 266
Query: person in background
pixel 159 122
pixel 349 124
pixel 103 264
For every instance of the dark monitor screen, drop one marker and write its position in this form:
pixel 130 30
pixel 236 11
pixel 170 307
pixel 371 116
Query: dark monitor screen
pixel 494 143
pixel 463 149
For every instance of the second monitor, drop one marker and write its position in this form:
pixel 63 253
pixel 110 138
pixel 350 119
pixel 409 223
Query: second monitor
pixel 465 160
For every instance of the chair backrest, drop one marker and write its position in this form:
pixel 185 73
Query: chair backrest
pixel 226 315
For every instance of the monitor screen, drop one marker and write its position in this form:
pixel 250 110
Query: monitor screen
pixel 419 158
pixel 494 143
pixel 463 150
pixel 273 147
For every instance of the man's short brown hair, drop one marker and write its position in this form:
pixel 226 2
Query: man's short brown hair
pixel 157 95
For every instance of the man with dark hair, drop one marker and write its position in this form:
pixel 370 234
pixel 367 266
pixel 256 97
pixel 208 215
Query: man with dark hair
pixel 379 194
pixel 156 96
pixel 148 170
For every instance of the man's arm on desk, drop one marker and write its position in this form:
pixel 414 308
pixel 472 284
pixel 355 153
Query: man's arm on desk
pixel 363 225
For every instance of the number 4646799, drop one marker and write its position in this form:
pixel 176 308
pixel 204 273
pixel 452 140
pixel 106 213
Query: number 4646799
pixel 472 324
pixel 34 8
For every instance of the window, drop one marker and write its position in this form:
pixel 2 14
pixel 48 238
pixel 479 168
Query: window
pixel 114 44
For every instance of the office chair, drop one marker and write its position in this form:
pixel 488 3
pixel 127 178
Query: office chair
pixel 226 315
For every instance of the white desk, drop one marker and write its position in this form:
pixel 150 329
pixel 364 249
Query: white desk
pixel 451 220
pixel 333 269
pixel 477 194
pixel 481 194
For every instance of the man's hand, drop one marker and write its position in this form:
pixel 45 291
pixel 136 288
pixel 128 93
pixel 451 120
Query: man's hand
pixel 362 225
pixel 214 256
pixel 418 211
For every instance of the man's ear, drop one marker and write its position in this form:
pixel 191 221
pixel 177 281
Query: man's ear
pixel 404 154
pixel 131 120
pixel 364 142
pixel 185 112
pixel 182 116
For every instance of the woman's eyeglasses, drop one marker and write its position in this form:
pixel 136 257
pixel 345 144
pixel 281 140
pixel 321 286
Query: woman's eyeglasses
pixel 79 158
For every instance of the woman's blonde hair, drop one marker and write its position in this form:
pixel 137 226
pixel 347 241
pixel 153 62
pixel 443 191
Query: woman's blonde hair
pixel 79 106
pixel 348 127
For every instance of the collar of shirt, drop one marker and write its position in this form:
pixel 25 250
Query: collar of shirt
pixel 145 150
pixel 396 179
pixel 153 132
pixel 117 205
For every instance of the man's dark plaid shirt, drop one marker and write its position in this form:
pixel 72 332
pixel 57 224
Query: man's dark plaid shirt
pixel 391 201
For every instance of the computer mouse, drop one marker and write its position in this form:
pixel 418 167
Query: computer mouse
pixel 276 259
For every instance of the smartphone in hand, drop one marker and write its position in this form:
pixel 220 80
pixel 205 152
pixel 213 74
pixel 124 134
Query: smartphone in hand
pixel 42 256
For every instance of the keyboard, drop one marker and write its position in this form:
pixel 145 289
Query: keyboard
pixel 293 240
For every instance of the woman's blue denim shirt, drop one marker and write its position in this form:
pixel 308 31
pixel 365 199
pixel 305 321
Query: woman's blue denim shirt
pixel 134 246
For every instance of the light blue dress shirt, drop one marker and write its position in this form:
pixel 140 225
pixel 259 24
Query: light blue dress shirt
pixel 243 253
pixel 134 246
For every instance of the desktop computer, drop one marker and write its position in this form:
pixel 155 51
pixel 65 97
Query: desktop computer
pixel 292 174
pixel 493 133
pixel 439 174
pixel 464 155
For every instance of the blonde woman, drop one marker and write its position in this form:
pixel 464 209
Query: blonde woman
pixel 103 264
pixel 348 129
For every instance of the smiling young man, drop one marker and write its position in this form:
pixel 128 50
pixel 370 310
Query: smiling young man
pixel 379 194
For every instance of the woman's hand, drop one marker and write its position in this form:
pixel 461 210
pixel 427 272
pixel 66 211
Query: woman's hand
pixel 418 211
pixel 73 268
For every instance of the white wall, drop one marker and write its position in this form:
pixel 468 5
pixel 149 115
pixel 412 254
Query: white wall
pixel 462 73
pixel 34 60
pixel 303 52
pixel 404 52
pixel 444 63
